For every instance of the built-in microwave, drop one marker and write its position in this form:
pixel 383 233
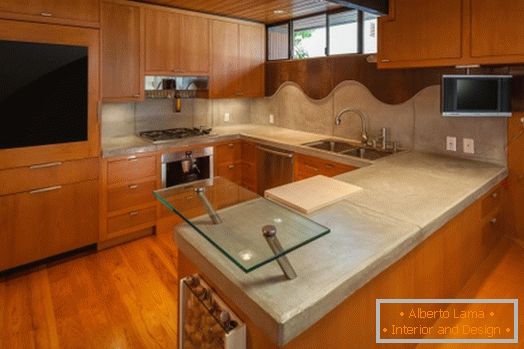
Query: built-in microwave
pixel 476 95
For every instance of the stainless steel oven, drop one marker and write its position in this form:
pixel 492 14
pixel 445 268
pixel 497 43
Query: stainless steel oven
pixel 187 166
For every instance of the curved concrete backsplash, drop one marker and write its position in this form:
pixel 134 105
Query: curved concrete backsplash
pixel 416 124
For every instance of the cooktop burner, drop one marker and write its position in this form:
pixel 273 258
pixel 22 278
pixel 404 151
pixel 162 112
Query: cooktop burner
pixel 160 136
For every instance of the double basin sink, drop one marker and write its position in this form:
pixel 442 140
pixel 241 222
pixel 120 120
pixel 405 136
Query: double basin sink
pixel 349 149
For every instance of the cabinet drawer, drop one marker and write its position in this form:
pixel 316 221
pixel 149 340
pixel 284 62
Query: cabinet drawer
pixel 131 169
pixel 249 175
pixel 47 222
pixel 231 171
pixel 228 152
pixel 492 201
pixel 307 166
pixel 131 219
pixel 130 195
pixel 66 11
pixel 22 179
pixel 187 203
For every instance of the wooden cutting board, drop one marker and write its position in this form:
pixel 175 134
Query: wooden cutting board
pixel 311 194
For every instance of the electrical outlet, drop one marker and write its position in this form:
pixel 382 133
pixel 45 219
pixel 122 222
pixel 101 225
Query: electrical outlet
pixel 451 143
pixel 226 117
pixel 468 145
pixel 271 118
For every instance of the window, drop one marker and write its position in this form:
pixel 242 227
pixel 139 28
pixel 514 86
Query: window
pixel 370 33
pixel 309 37
pixel 341 32
pixel 277 42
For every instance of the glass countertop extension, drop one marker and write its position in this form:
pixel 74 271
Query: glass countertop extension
pixel 231 218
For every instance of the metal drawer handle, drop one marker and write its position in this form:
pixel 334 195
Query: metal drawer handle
pixel 311 167
pixel 275 152
pixel 133 186
pixel 494 195
pixel 43 190
pixel 330 166
pixel 385 60
pixel 46 14
pixel 132 158
pixel 50 164
pixel 231 167
pixel 133 214
pixel 493 221
pixel 231 145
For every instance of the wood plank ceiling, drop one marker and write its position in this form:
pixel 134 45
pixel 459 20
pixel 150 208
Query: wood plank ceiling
pixel 265 11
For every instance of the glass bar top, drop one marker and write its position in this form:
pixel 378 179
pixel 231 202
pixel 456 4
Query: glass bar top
pixel 242 214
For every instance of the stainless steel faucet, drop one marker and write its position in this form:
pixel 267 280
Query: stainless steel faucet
pixel 363 120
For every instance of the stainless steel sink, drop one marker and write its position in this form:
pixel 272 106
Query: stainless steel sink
pixel 331 145
pixel 367 153
pixel 349 149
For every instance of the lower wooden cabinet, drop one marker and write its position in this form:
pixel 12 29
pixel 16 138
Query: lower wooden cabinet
pixel 127 202
pixel 308 166
pixel 48 221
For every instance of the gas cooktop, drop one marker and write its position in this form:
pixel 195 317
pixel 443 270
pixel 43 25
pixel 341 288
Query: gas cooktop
pixel 164 136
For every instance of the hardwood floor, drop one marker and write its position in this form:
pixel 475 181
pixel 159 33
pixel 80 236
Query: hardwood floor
pixel 124 297
pixel 500 276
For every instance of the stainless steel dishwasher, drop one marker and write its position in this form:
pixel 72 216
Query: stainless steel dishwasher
pixel 274 168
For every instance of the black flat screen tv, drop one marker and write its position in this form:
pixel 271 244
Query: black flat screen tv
pixel 476 95
pixel 43 94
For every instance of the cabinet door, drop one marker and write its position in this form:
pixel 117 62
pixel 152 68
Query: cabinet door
pixel 251 60
pixel 497 30
pixel 44 223
pixel 122 76
pixel 162 42
pixel 82 12
pixel 224 50
pixel 194 49
pixel 421 33
pixel 79 10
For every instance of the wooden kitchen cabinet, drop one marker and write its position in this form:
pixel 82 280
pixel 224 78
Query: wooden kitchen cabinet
pixel 228 161
pixel 421 33
pixel 128 206
pixel 122 52
pixel 70 12
pixel 42 223
pixel 451 33
pixel 308 166
pixel 497 31
pixel 238 56
pixel 176 43
pixel 249 166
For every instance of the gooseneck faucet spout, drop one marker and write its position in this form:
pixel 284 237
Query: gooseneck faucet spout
pixel 363 120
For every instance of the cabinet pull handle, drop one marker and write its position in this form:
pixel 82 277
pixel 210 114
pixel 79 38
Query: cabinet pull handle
pixel 136 96
pixel 190 197
pixel 49 164
pixel 132 158
pixel 46 14
pixel 43 190
pixel 494 195
pixel 134 213
pixel 311 167
pixel 330 166
pixel 385 60
pixel 493 221
pixel 231 167
pixel 133 186
pixel 231 145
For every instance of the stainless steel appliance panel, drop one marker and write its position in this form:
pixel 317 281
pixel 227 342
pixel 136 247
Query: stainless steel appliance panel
pixel 274 167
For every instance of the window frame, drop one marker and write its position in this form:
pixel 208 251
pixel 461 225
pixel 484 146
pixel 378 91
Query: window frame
pixel 289 23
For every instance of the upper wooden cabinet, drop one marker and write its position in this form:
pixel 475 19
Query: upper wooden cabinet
pixel 71 12
pixel 450 33
pixel 176 43
pixel 421 32
pixel 122 52
pixel 238 56
pixel 497 31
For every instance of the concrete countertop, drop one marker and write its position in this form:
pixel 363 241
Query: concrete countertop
pixel 269 135
pixel 405 198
